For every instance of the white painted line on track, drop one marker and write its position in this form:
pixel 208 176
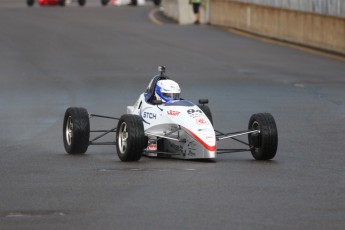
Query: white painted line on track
pixel 153 17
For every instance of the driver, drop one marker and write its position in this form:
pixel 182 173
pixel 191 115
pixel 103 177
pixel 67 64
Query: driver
pixel 167 90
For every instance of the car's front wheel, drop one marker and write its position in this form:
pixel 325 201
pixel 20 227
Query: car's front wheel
pixel 265 143
pixel 130 138
pixel 76 130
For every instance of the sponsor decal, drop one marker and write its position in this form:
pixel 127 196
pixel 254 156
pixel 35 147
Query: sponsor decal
pixel 149 115
pixel 152 144
pixel 152 147
pixel 173 113
pixel 194 113
pixel 201 121
pixel 191 111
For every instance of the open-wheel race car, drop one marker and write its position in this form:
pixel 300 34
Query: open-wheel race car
pixel 53 2
pixel 161 124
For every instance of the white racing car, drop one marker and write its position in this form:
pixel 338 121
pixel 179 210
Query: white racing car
pixel 161 124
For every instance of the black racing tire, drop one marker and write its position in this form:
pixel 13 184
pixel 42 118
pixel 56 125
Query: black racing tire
pixel 207 112
pixel 81 2
pixel 62 2
pixel 134 2
pixel 30 2
pixel 130 138
pixel 76 130
pixel 104 2
pixel 264 144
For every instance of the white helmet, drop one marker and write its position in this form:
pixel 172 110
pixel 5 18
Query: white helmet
pixel 167 90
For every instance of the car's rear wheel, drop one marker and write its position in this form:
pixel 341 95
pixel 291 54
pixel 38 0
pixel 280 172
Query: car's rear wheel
pixel 30 2
pixel 130 138
pixel 207 112
pixel 81 2
pixel 104 2
pixel 264 144
pixel 76 130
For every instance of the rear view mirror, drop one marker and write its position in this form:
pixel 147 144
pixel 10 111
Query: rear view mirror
pixel 203 101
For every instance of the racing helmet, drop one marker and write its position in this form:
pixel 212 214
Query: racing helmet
pixel 167 90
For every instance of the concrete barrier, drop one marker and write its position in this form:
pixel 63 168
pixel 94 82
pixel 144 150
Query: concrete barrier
pixel 182 12
pixel 310 23
pixel 310 29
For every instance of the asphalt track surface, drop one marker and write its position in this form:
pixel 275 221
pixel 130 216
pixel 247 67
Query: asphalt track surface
pixel 100 58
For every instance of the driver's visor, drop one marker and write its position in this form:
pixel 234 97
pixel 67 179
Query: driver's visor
pixel 172 95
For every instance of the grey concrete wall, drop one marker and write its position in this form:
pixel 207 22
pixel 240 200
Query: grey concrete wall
pixel 327 7
pixel 311 29
pixel 182 12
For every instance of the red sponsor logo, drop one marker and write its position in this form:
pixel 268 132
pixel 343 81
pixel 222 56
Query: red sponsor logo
pixel 152 147
pixel 173 113
pixel 201 121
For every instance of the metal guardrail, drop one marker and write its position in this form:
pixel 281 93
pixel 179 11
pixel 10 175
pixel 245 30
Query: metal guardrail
pixel 328 7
